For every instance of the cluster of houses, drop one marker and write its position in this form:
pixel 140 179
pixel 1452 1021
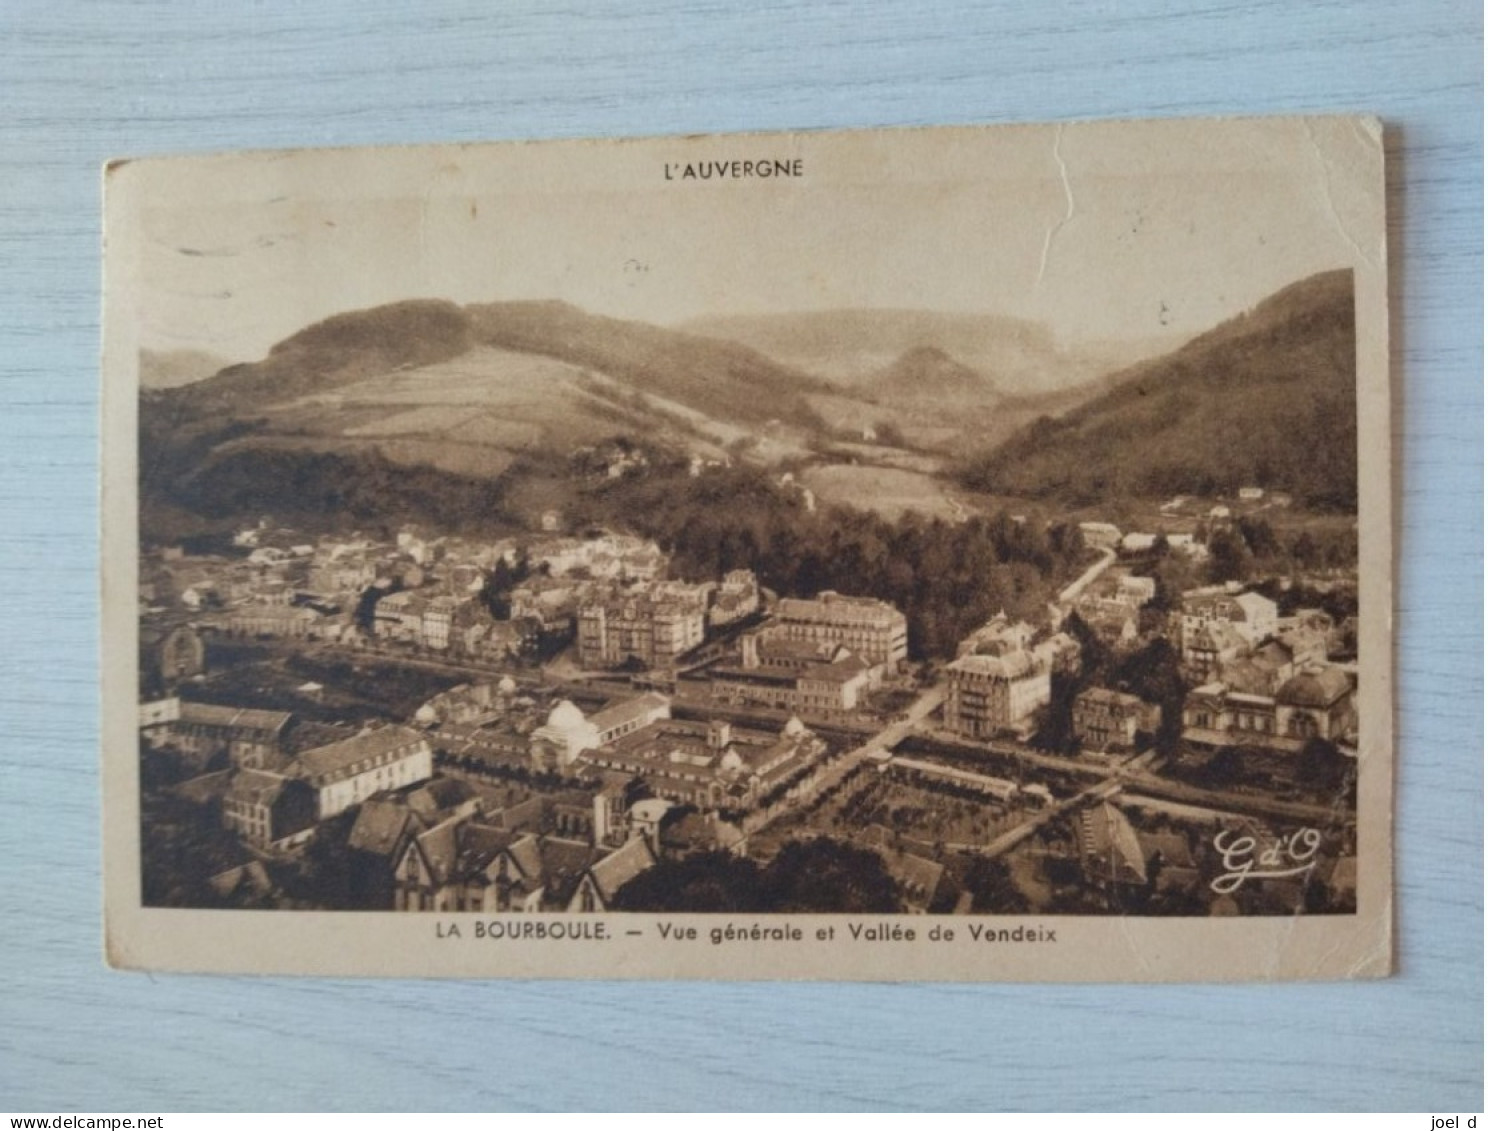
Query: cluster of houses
pixel 1257 679
pixel 440 843
pixel 1260 679
pixel 628 784
pixel 1184 521
pixel 1108 536
pixel 606 590
pixel 491 849
pixel 1111 608
pixel 271 794
pixel 444 843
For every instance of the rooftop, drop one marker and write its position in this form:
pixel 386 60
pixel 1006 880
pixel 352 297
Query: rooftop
pixel 256 786
pixel 339 757
pixel 629 710
pixel 248 718
pixel 621 866
pixel 379 827
pixel 778 647
pixel 1109 698
pixel 834 608
pixel 1320 688
pixel 1015 664
pixel 1110 845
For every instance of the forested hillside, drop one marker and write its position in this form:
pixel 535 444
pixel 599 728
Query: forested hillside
pixel 1265 399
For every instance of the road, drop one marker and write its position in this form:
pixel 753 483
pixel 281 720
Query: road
pixel 886 738
pixel 1071 592
pixel 369 654
pixel 1026 755
pixel 1100 791
pixel 1146 783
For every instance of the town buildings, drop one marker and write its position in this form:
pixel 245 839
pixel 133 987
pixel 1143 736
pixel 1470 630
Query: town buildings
pixel 208 734
pixel 996 636
pixel 1113 620
pixel 269 809
pixel 1111 720
pixel 816 657
pixel 567 733
pixel 467 864
pixel 1251 615
pixel 1110 853
pixel 179 654
pixel 1100 535
pixel 256 619
pixel 552 603
pixel 651 626
pixel 779 672
pixel 464 864
pixel 736 597
pixel 993 695
pixel 348 772
pixel 873 630
pixel 603 879
pixel 1215 626
pixel 1317 702
pixel 468 703
pixel 712 765
pixel 598 794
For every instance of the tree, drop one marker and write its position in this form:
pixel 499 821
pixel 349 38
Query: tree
pixel 1321 765
pixel 707 882
pixel 1055 729
pixel 503 578
pixel 1305 551
pixel 1229 557
pixel 824 875
pixel 366 610
pixel 183 847
pixel 1259 537
pixel 993 889
pixel 1223 768
pixel 1152 673
pixel 334 876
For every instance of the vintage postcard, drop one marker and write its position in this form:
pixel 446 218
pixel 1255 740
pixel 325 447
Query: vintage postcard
pixel 923 554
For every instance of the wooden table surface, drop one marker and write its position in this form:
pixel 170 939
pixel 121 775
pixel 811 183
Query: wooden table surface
pixel 84 81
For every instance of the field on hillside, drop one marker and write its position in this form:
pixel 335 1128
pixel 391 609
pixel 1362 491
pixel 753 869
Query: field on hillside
pixel 880 455
pixel 886 490
pixel 469 415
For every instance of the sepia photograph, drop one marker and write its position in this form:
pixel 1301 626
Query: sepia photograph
pixel 813 555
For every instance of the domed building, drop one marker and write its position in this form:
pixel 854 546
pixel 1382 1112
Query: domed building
pixel 562 738
pixel 568 733
pixel 1317 703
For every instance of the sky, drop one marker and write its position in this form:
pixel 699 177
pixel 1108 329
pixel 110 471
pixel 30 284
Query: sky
pixel 1099 231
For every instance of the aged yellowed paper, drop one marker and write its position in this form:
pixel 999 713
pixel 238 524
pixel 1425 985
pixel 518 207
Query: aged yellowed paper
pixel 936 554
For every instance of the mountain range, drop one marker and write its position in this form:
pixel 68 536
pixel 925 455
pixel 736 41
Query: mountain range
pixel 1265 399
pixel 472 391
pixel 852 348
